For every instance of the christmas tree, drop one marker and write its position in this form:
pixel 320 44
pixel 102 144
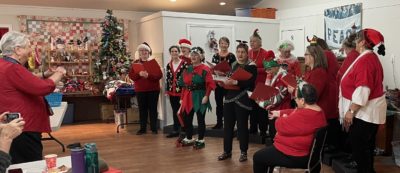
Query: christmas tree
pixel 114 58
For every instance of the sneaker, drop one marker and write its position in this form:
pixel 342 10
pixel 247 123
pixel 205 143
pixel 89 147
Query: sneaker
pixel 140 132
pixel 243 157
pixel 187 142
pixel 199 144
pixel 224 156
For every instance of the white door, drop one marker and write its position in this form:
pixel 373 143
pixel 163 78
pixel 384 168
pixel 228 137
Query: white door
pixel 199 35
pixel 295 35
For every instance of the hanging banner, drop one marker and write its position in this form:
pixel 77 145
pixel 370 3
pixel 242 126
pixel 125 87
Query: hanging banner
pixel 339 22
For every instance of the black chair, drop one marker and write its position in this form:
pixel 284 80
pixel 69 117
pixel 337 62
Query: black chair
pixel 314 162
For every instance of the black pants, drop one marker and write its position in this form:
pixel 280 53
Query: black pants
pixel 219 101
pixel 235 114
pixel 148 102
pixel 362 136
pixel 271 128
pixel 258 118
pixel 27 147
pixel 266 159
pixel 174 100
pixel 201 128
pixel 334 138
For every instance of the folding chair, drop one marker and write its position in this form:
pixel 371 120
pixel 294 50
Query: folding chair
pixel 315 152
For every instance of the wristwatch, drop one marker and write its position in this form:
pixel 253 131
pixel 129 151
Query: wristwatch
pixel 352 111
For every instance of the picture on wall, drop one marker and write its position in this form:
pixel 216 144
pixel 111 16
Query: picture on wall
pixel 339 22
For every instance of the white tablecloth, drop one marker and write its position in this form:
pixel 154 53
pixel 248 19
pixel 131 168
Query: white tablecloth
pixel 39 166
pixel 57 118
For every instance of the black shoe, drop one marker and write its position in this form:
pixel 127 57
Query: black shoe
pixel 172 135
pixel 218 126
pixel 243 157
pixel 224 156
pixel 140 132
pixel 154 132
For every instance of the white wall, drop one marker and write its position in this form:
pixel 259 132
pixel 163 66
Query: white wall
pixel 377 14
pixel 9 13
pixel 173 26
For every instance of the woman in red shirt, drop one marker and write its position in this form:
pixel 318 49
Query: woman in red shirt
pixel 258 55
pixel 173 71
pixel 295 132
pixel 349 48
pixel 24 93
pixel 147 87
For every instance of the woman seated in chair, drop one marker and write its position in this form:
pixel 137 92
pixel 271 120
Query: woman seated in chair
pixel 295 133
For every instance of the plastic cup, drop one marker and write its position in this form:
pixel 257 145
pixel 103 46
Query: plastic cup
pixel 51 161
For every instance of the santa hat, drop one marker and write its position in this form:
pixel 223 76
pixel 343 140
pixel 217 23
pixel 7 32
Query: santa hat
pixel 373 37
pixel 185 43
pixel 145 46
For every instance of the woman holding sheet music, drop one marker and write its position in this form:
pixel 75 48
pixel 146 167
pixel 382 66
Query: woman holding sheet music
pixel 147 87
pixel 221 56
pixel 282 99
pixel 237 104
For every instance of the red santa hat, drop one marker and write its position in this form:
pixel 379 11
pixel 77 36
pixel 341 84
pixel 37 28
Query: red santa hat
pixel 145 46
pixel 373 37
pixel 185 43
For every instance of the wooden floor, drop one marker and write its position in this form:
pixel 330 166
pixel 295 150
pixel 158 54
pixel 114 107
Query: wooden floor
pixel 156 154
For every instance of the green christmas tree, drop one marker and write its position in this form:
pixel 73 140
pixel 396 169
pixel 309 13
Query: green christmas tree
pixel 114 58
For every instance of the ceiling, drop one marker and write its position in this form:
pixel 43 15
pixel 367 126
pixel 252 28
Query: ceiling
pixel 193 6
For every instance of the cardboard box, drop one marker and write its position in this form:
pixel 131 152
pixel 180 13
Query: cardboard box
pixel 107 112
pixel 263 12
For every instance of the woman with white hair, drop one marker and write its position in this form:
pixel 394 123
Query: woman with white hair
pixel 147 87
pixel 24 93
pixel 287 59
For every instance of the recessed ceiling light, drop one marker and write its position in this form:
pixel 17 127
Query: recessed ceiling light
pixel 222 3
pixel 172 0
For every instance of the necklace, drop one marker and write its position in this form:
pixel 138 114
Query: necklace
pixel 258 53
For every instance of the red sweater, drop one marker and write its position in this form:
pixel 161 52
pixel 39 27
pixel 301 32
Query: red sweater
pixel 23 92
pixel 325 101
pixel 295 132
pixel 346 64
pixel 258 57
pixel 151 83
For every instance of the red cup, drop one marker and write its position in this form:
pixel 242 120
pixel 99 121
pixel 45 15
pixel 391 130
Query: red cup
pixel 51 161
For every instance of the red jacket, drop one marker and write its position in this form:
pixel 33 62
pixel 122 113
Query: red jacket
pixel 258 57
pixel 151 83
pixel 346 63
pixel 23 92
pixel 295 132
pixel 332 90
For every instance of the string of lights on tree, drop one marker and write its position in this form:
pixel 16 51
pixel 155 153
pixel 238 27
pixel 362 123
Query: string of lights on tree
pixel 113 57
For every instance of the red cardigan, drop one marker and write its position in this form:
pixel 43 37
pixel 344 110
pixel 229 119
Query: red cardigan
pixel 295 132
pixel 258 57
pixel 367 71
pixel 23 92
pixel 151 83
